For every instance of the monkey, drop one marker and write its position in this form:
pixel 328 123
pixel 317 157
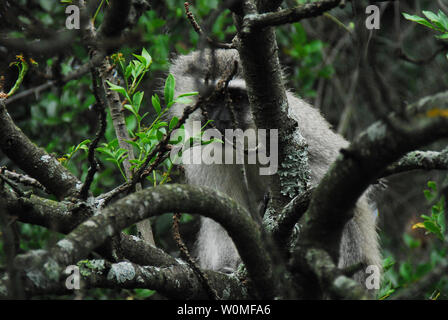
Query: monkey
pixel 214 250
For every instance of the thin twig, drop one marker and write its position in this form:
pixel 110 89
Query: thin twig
pixel 211 292
pixel 22 179
pixel 82 70
pixel 291 15
pixel 13 185
pixel 197 28
pixel 422 61
pixel 101 110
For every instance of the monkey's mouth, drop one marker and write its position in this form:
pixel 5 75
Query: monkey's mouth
pixel 221 119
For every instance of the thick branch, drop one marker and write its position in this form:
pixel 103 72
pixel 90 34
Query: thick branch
pixel 159 200
pixel 362 163
pixel 63 217
pixel 35 161
pixel 175 282
pixel 57 216
pixel 330 277
pixel 141 252
pixel 419 160
pixel 290 215
pixel 22 179
pixel 269 105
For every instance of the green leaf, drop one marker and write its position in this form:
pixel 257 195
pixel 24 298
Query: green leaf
pixel 418 19
pixel 160 133
pixel 406 271
pixel 134 143
pixel 411 242
pixel 129 107
pixel 434 19
pixel 83 143
pixel 422 269
pixel 188 94
pixel 169 89
pixel 388 263
pixel 443 19
pixel 137 68
pixel 160 124
pixel 186 218
pixel 433 228
pixel 183 100
pixel 137 100
pixel 156 103
pixel 105 151
pixel 143 116
pixel 128 71
pixel 173 123
pixel 143 293
pixel 432 185
pixel 118 89
pixel 147 57
pixel 443 36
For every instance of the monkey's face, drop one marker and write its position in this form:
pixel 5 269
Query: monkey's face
pixel 229 110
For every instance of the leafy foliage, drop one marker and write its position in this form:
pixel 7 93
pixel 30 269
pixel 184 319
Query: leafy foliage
pixel 437 22
pixel 403 275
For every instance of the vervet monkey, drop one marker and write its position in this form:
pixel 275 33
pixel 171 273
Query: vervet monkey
pixel 214 248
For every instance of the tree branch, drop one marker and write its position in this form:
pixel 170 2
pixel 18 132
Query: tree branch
pixel 331 279
pixel 115 18
pixel 35 161
pixel 361 164
pixel 175 282
pixel 156 201
pixel 308 10
pixel 22 179
pixel 269 105
pixel 58 216
pixel 290 215
pixel 419 160
pixel 72 76
pixel 100 109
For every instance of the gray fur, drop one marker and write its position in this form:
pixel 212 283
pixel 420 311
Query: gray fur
pixel 214 249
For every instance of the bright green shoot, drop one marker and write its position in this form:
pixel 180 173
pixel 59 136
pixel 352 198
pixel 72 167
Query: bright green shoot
pixel 23 68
